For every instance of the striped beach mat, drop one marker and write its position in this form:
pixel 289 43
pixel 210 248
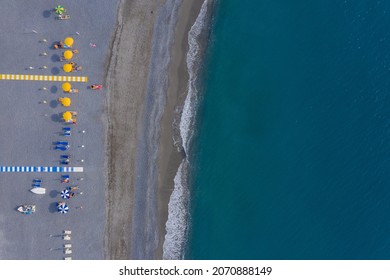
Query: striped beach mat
pixel 40 169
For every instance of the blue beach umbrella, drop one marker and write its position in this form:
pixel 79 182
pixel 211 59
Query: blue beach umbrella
pixel 63 208
pixel 65 194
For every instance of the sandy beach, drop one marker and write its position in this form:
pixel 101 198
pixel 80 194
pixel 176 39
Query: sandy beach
pixel 136 49
pixel 30 127
pixel 133 71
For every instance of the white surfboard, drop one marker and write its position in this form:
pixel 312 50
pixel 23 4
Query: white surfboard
pixel 38 190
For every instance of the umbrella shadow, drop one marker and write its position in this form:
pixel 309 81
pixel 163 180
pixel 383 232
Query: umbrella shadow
pixel 46 14
pixel 55 70
pixel 54 193
pixel 54 103
pixel 55 58
pixel 54 89
pixel 55 118
pixel 53 207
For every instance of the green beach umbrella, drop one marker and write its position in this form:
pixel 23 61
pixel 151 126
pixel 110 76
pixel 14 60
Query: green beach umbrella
pixel 59 9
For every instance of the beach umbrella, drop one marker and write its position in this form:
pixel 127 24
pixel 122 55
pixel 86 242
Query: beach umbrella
pixel 67 116
pixel 68 41
pixel 65 101
pixel 67 68
pixel 66 87
pixel 59 9
pixel 63 208
pixel 65 194
pixel 68 54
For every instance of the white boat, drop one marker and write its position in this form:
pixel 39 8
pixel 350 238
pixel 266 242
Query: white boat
pixel 38 190
pixel 26 208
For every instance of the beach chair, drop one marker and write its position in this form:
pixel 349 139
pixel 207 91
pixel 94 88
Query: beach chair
pixel 62 17
pixel 65 178
pixel 66 131
pixel 68 251
pixel 61 143
pixel 61 148
pixel 66 237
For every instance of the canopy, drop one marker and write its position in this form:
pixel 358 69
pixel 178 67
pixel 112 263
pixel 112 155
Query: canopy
pixel 66 87
pixel 67 116
pixel 68 54
pixel 68 41
pixel 67 67
pixel 63 208
pixel 65 101
pixel 65 194
pixel 59 9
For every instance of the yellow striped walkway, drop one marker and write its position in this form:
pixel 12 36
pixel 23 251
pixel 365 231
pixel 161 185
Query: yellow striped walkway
pixel 20 77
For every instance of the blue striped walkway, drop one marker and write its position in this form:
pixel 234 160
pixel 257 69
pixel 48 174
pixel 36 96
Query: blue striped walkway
pixel 40 169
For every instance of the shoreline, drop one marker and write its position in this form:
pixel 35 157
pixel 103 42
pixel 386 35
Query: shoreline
pixel 170 157
pixel 128 72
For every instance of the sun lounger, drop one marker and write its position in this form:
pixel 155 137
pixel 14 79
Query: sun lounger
pixel 67 232
pixel 65 156
pixel 68 258
pixel 36 185
pixel 68 252
pixel 37 180
pixel 61 148
pixel 66 162
pixel 67 246
pixel 65 178
pixel 66 237
pixel 66 131
pixel 61 143
pixel 61 17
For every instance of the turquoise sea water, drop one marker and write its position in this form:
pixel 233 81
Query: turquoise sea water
pixel 291 157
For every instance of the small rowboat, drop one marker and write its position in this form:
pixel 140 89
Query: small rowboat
pixel 26 209
pixel 38 190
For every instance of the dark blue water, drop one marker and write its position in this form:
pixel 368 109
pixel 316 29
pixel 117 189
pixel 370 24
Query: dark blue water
pixel 292 158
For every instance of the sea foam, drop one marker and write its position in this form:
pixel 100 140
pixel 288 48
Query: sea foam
pixel 177 223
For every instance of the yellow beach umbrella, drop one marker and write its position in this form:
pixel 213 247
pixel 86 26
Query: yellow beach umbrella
pixel 68 41
pixel 66 87
pixel 65 101
pixel 68 54
pixel 67 116
pixel 67 67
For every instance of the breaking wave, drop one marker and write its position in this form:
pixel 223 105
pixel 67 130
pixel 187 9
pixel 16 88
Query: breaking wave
pixel 178 207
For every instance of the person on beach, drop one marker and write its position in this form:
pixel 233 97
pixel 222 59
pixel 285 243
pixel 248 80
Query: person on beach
pixel 59 45
pixel 73 188
pixel 94 87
